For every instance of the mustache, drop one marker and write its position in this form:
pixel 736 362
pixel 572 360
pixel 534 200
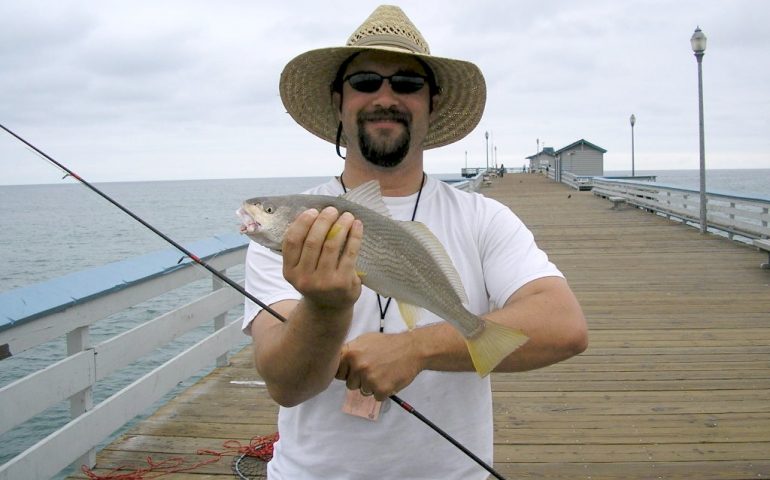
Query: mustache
pixel 383 114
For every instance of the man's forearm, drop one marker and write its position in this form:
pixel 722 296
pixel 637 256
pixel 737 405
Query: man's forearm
pixel 546 311
pixel 298 359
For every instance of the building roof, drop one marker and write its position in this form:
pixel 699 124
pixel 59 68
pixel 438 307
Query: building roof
pixel 581 142
pixel 545 151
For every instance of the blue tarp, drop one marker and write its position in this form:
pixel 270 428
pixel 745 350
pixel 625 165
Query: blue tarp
pixel 34 301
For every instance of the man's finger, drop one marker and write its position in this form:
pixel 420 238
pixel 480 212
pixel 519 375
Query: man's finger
pixel 316 236
pixel 343 368
pixel 335 241
pixel 294 239
pixel 349 255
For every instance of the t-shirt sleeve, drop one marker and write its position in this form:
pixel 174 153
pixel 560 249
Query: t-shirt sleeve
pixel 264 279
pixel 510 257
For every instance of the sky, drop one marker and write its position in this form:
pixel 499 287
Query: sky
pixel 185 89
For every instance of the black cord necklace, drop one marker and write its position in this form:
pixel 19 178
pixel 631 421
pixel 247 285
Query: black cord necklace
pixel 384 311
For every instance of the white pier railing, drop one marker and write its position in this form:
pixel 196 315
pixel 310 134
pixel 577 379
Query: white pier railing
pixel 747 217
pixel 578 182
pixel 72 309
pixel 68 308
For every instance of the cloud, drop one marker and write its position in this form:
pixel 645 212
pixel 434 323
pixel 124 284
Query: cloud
pixel 189 89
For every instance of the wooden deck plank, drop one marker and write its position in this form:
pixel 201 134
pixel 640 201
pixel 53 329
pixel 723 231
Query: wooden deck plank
pixel 675 383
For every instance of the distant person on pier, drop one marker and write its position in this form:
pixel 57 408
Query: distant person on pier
pixel 385 99
pixel 502 170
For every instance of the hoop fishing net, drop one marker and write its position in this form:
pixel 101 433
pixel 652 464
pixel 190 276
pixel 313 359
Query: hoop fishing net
pixel 252 463
pixel 249 468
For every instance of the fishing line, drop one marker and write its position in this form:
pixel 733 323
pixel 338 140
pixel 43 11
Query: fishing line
pixel 407 407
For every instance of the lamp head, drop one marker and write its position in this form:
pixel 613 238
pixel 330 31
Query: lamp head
pixel 698 41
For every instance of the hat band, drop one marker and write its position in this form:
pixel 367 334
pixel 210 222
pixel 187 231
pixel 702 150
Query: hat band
pixel 388 41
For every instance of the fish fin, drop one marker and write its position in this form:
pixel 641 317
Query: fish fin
pixel 368 195
pixel 492 345
pixel 423 235
pixel 410 313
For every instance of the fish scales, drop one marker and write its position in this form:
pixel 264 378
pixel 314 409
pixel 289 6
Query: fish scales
pixel 408 279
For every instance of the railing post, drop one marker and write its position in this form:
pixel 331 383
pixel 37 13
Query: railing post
pixel 219 320
pixel 79 340
pixel 731 234
pixel 685 207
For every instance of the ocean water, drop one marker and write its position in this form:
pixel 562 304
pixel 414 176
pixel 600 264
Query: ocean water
pixel 737 182
pixel 50 230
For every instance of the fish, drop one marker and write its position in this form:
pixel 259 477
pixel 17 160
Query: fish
pixel 420 275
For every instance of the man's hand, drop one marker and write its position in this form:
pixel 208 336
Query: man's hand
pixel 298 359
pixel 319 258
pixel 380 364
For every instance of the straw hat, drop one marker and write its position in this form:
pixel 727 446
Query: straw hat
pixel 306 80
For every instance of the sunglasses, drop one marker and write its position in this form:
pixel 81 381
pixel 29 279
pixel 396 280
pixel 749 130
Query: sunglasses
pixel 370 82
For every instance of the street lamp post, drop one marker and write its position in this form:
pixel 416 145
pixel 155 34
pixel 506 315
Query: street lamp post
pixel 486 137
pixel 698 43
pixel 633 121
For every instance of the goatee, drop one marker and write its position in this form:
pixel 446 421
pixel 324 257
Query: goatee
pixel 387 152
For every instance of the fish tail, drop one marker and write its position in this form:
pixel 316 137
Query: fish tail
pixel 492 345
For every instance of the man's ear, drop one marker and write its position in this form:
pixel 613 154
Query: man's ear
pixel 434 102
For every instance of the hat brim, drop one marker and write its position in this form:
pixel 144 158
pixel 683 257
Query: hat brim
pixel 305 89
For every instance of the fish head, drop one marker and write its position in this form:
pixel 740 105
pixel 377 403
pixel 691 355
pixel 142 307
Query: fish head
pixel 265 220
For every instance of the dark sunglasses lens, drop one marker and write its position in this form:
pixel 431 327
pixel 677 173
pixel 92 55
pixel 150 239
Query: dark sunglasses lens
pixel 406 84
pixel 365 82
pixel 369 82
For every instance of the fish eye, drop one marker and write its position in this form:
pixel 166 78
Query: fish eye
pixel 269 208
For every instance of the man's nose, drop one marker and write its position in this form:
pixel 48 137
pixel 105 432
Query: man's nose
pixel 385 96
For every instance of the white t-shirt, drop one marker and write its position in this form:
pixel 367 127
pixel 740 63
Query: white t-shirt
pixel 495 255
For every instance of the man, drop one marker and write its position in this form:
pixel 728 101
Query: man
pixel 342 350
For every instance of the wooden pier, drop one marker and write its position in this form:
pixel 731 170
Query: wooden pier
pixel 675 383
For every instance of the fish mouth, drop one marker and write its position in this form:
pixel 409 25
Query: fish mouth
pixel 248 223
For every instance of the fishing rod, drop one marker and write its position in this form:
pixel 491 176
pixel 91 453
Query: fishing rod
pixel 136 217
pixel 404 405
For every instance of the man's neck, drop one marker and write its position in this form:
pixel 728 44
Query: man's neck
pixel 399 181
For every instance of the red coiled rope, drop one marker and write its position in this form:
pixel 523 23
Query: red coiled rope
pixel 259 447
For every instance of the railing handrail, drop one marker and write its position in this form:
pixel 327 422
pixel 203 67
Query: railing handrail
pixel 26 323
pixel 24 304
pixel 663 186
